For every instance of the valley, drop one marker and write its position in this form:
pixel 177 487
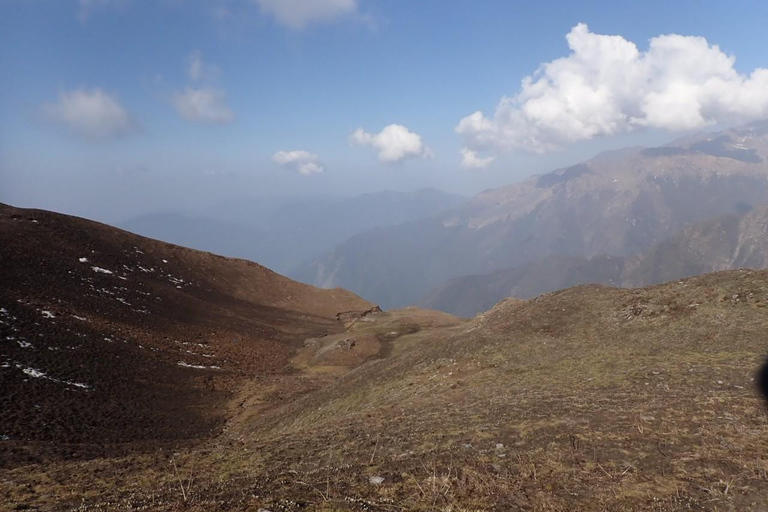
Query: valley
pixel 243 390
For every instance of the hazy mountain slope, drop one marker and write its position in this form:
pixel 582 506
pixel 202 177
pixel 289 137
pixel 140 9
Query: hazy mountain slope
pixel 283 233
pixel 724 243
pixel 113 341
pixel 468 295
pixel 619 203
pixel 729 242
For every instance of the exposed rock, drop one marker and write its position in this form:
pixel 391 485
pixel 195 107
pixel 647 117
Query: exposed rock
pixel 350 317
pixel 346 344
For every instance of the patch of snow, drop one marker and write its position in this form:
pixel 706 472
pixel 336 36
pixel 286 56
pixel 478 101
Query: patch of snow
pixel 81 318
pixel 165 261
pixel 175 280
pixel 33 373
pixel 76 384
pixel 24 344
pixel 190 343
pixel 101 270
pixel 119 299
pixel 83 260
pixel 198 366
pixel 123 278
pixel 48 314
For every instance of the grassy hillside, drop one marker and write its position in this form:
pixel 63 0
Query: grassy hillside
pixel 589 399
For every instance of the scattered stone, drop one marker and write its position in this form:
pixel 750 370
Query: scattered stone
pixel 720 383
pixel 376 480
pixel 346 344
pixel 647 417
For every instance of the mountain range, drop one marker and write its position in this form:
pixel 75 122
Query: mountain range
pixel 724 243
pixel 282 233
pixel 617 205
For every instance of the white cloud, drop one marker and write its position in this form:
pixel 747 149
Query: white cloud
pixel 470 160
pixel 198 70
pixel 304 162
pixel 91 113
pixel 203 105
pixel 394 143
pixel 607 86
pixel 86 8
pixel 297 14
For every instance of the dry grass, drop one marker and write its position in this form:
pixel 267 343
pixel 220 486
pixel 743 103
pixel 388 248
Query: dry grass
pixel 591 399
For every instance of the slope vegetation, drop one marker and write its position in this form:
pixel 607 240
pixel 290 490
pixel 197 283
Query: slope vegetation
pixel 590 399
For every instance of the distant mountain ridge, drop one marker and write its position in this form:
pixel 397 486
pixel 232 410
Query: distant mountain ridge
pixel 282 233
pixel 620 204
pixel 725 243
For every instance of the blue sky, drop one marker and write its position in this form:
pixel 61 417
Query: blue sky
pixel 110 108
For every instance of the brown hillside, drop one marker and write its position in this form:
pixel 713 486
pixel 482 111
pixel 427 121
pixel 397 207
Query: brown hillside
pixel 111 341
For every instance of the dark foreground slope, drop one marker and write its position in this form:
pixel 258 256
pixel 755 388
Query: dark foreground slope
pixel 111 342
pixel 587 399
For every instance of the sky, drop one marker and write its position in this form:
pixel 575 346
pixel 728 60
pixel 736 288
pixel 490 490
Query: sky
pixel 113 108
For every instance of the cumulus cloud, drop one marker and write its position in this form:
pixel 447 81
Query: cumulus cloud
pixel 304 162
pixel 607 86
pixel 470 160
pixel 198 70
pixel 203 105
pixel 394 143
pixel 297 14
pixel 91 113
